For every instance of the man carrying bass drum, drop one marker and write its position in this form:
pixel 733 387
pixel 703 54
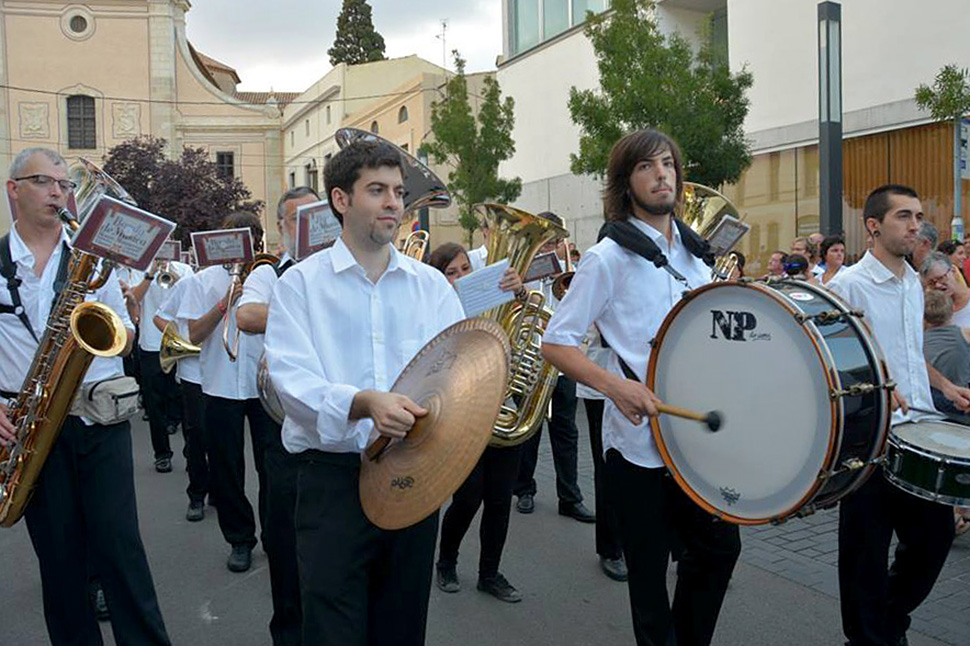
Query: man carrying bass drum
pixel 627 297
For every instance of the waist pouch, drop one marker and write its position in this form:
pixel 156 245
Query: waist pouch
pixel 109 401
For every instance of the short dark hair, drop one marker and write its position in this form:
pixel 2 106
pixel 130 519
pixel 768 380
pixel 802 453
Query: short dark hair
pixel 625 155
pixel 877 204
pixel 828 243
pixel 949 247
pixel 343 169
pixel 443 254
pixel 246 220
pixel 784 255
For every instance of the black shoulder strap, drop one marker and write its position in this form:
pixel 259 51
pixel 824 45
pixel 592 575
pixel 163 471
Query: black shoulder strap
pixel 628 236
pixel 281 268
pixel 9 271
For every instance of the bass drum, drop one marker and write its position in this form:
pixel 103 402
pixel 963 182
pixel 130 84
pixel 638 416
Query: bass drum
pixel 802 389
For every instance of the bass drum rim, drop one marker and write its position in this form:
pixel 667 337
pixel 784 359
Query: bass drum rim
pixel 836 429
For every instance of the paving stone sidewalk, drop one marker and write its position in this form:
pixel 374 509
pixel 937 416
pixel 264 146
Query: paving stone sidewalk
pixel 806 551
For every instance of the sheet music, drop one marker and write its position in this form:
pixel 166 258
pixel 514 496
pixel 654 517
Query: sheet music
pixel 479 290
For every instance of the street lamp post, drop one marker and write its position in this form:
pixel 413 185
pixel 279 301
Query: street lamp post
pixel 830 116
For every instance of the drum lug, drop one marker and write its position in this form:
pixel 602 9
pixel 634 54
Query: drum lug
pixel 848 466
pixel 855 390
pixel 821 318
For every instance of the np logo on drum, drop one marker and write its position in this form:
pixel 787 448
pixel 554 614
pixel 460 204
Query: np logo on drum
pixel 735 326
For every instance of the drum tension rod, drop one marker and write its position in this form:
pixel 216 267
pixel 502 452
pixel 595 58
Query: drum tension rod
pixel 827 317
pixel 848 466
pixel 857 390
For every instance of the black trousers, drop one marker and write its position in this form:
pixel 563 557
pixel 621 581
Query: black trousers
pixel 224 421
pixel 654 514
pixel 360 585
pixel 83 518
pixel 607 525
pixel 876 602
pixel 564 437
pixel 279 539
pixel 490 483
pixel 156 389
pixel 196 449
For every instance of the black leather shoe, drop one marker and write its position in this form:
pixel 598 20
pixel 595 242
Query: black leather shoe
pixel 499 588
pixel 526 504
pixel 163 465
pixel 614 568
pixel 240 559
pixel 447 579
pixel 195 512
pixel 578 511
pixel 100 604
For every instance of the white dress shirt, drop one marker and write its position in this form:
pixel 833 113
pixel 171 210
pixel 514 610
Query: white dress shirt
pixel 260 283
pixel 894 309
pixel 149 336
pixel 478 257
pixel 332 332
pixel 188 368
pixel 220 376
pixel 17 346
pixel 627 297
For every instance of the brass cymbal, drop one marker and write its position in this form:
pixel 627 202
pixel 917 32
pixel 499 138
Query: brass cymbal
pixel 460 377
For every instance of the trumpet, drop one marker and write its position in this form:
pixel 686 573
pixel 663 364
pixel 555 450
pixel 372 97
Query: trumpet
pixel 238 273
pixel 164 275
pixel 561 283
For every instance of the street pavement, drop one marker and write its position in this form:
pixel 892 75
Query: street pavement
pixel 784 590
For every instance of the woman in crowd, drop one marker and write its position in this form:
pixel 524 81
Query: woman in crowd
pixel 938 273
pixel 490 483
pixel 832 251
pixel 955 252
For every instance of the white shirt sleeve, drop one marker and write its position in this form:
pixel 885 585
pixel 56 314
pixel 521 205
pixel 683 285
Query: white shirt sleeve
pixel 259 286
pixel 194 302
pixel 309 398
pixel 589 292
pixel 110 295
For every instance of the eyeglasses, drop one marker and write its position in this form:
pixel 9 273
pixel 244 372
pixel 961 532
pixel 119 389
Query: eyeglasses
pixel 45 181
pixel 940 280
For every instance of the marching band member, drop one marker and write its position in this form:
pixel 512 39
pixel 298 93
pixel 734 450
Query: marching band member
pixel 489 485
pixel 628 297
pixel 231 398
pixel 189 373
pixel 160 392
pixel 82 514
pixel 279 535
pixel 876 603
pixel 342 326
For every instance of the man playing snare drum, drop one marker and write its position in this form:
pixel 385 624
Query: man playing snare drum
pixel 876 603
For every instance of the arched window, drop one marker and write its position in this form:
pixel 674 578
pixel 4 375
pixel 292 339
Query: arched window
pixel 374 128
pixel 402 114
pixel 82 130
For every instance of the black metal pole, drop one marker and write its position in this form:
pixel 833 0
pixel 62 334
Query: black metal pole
pixel 830 117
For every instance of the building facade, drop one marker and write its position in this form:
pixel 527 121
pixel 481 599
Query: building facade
pixel 887 139
pixel 84 78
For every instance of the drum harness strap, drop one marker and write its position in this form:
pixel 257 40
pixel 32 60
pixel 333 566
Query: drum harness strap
pixel 9 271
pixel 628 236
pixel 281 268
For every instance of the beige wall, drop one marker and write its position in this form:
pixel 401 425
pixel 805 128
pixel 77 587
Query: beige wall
pixel 134 60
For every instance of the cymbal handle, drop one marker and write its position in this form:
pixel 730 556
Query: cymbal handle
pixel 377 447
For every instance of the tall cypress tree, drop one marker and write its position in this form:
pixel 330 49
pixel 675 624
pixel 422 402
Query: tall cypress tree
pixel 357 41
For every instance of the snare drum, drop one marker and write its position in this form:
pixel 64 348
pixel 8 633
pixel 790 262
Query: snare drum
pixel 931 460
pixel 802 389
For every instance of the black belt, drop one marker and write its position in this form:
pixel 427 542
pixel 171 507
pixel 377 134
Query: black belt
pixel 6 394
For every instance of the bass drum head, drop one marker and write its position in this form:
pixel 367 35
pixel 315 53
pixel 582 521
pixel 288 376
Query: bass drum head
pixel 737 349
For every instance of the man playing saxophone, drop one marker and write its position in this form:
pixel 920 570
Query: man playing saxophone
pixel 82 516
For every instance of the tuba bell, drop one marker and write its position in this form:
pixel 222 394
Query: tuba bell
pixel 702 209
pixel 517 235
pixel 174 347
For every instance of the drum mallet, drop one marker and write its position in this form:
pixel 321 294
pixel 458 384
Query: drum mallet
pixel 711 419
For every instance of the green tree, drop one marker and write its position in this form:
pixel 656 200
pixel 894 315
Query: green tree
pixel 648 80
pixel 357 41
pixel 473 147
pixel 188 190
pixel 949 100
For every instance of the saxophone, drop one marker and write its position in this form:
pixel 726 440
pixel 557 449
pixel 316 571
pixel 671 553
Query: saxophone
pixel 518 236
pixel 76 332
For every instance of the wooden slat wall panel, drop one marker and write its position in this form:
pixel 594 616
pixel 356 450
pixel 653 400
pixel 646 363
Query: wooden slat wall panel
pixel 921 157
pixel 865 165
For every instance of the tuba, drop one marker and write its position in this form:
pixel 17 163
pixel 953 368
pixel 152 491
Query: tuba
pixel 174 347
pixel 517 235
pixel 702 209
pixel 77 331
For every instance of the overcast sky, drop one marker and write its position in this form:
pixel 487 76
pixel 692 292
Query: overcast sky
pixel 283 44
